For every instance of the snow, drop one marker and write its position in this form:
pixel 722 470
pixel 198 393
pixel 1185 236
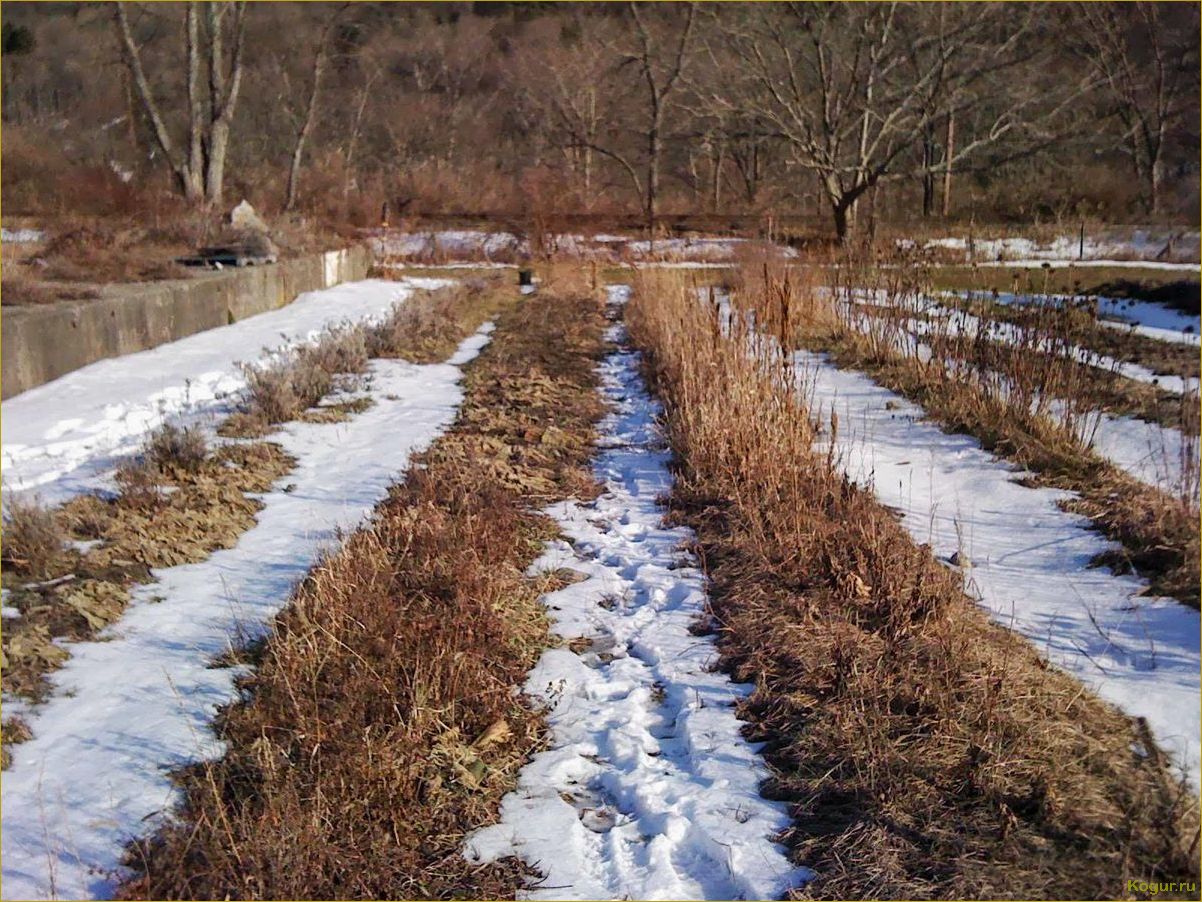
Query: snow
pixel 1172 336
pixel 1031 558
pixel 1143 313
pixel 59 437
pixel 1160 456
pixel 648 790
pixel 1138 247
pixel 136 704
pixel 463 245
pixel 1087 264
pixel 961 322
pixel 21 236
pixel 1156 455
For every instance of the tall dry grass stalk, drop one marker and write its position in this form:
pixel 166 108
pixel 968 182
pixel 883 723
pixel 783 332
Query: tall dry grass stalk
pixel 1031 401
pixel 384 720
pixel 924 751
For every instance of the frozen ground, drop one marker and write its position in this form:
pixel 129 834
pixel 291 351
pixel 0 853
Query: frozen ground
pixel 952 321
pixel 1030 559
pixel 1138 247
pixel 21 236
pixel 59 438
pixel 132 706
pixel 1126 311
pixel 449 246
pixel 1157 455
pixel 647 791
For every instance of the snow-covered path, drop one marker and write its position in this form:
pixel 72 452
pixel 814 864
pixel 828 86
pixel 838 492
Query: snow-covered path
pixel 1030 559
pixel 648 790
pixel 134 705
pixel 59 437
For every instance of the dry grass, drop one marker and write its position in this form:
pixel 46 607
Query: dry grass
pixel 1036 358
pixel 426 328
pixel 1080 324
pixel 171 510
pixel 1150 284
pixel 171 446
pixel 429 326
pixel 32 539
pixel 283 389
pixel 139 238
pixel 924 751
pixel 383 721
pixel 1005 400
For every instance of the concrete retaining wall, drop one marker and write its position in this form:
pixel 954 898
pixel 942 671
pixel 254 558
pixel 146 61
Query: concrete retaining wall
pixel 40 343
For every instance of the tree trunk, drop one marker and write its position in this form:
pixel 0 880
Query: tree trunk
pixel 302 134
pixel 133 61
pixel 223 96
pixel 194 189
pixel 653 151
pixel 843 223
pixel 1156 184
pixel 716 187
pixel 948 153
pixel 591 134
pixel 219 137
pixel 928 174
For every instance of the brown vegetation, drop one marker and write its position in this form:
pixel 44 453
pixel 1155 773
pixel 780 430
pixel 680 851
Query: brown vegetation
pixel 32 539
pixel 1078 323
pixel 428 327
pixel 925 752
pixel 177 505
pixel 1007 410
pixel 524 111
pixel 178 501
pixel 409 643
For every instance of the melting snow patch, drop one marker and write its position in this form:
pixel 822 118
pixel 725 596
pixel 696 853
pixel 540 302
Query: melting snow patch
pixel 21 236
pixel 136 704
pixel 648 791
pixel 59 437
pixel 1031 560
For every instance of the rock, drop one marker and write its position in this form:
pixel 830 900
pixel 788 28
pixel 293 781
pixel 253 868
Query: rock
pixel 961 560
pixel 244 218
pixel 256 244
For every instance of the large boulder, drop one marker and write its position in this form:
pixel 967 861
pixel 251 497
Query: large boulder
pixel 244 218
pixel 245 239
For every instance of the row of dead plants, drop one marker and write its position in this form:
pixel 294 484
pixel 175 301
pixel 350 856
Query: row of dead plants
pixel 1079 321
pixel 383 719
pixel 69 570
pixel 318 381
pixel 1032 356
pixel 925 752
pixel 1037 406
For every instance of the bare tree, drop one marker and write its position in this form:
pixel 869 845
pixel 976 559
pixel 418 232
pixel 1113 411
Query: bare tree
pixel 660 61
pixel 1149 72
pixel 572 96
pixel 320 55
pixel 851 88
pixel 199 172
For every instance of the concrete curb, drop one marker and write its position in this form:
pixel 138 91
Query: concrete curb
pixel 41 343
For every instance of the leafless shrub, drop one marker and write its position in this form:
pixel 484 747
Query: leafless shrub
pixel 32 539
pixel 141 485
pixel 283 389
pixel 173 447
